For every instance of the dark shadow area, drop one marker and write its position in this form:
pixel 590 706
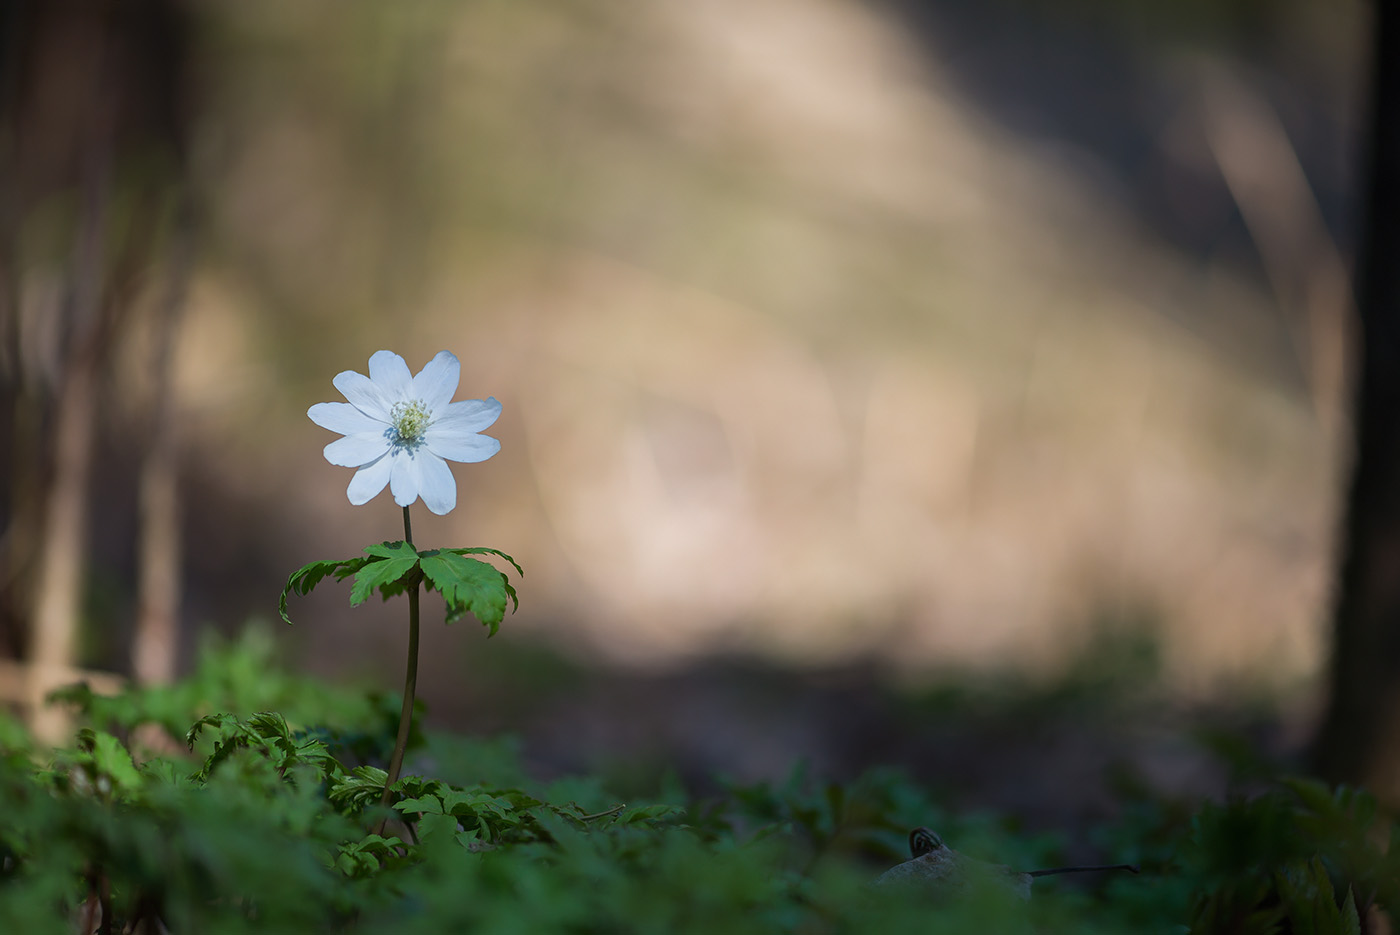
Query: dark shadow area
pixel 1114 90
pixel 1065 751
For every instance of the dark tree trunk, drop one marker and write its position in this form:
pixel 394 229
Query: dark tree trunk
pixel 1359 738
pixel 95 106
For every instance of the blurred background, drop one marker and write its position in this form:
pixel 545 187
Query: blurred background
pixel 862 361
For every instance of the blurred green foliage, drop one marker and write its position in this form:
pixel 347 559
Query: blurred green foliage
pixel 266 826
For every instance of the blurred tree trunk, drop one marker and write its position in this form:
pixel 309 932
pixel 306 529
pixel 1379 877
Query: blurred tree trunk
pixel 156 636
pixel 63 539
pixel 1359 738
pixel 94 124
pixel 60 548
pixel 22 413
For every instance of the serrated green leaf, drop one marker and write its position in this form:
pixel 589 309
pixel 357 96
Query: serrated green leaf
pixel 217 721
pixel 316 752
pixel 426 805
pixel 304 579
pixel 1351 919
pixel 648 813
pixel 1307 895
pixel 371 776
pixel 113 759
pixel 431 826
pixel 270 725
pixel 382 574
pixel 358 788
pixel 485 551
pixel 518 800
pixel 377 844
pixel 468 586
pixel 413 787
pixel 462 804
pixel 398 549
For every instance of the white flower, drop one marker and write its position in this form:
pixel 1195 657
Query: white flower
pixel 398 428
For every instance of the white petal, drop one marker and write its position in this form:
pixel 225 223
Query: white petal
pixel 436 383
pixel 357 450
pixel 368 481
pixel 403 478
pixel 469 448
pixel 364 394
pixel 436 483
pixel 391 375
pixel 343 418
pixel 467 416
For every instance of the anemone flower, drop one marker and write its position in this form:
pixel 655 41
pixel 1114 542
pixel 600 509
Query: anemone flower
pixel 401 430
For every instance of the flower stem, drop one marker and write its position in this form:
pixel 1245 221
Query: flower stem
pixel 410 684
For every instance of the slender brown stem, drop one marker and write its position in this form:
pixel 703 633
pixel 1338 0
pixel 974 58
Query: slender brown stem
pixel 410 685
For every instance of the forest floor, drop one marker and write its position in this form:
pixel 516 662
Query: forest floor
pixel 1064 756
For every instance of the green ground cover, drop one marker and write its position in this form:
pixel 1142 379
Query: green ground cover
pixel 246 799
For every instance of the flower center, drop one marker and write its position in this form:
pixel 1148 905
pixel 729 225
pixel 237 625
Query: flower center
pixel 410 421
